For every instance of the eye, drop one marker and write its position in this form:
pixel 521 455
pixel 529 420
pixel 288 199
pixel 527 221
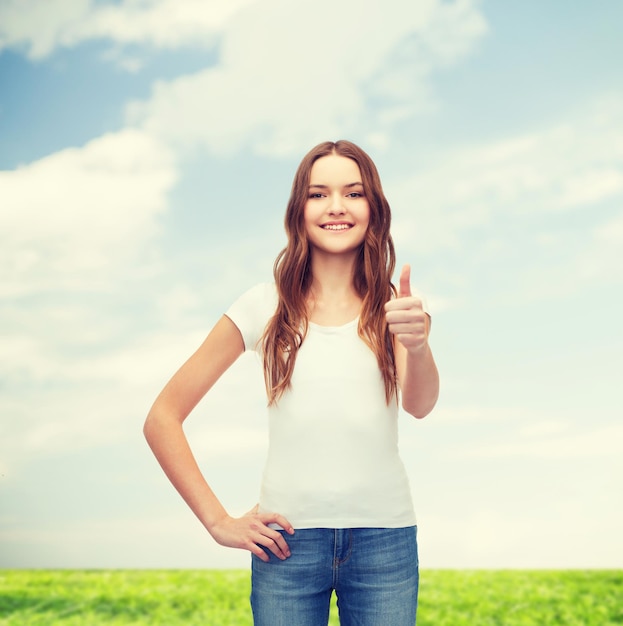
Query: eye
pixel 354 194
pixel 315 195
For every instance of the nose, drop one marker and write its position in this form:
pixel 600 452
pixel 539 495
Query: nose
pixel 336 206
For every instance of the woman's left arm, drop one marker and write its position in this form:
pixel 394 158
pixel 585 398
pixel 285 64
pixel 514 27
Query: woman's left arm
pixel 417 373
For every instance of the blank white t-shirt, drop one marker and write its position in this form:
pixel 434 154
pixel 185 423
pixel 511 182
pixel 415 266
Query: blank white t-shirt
pixel 333 458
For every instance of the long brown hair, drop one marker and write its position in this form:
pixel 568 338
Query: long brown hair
pixel 374 267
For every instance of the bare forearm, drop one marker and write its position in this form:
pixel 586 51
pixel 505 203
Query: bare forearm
pixel 165 435
pixel 415 366
pixel 250 532
pixel 168 442
pixel 420 384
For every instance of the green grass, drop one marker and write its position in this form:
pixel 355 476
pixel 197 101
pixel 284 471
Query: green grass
pixel 220 598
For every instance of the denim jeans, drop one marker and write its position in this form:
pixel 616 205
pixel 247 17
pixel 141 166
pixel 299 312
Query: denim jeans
pixel 374 572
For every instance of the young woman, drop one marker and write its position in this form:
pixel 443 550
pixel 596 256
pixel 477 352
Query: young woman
pixel 340 348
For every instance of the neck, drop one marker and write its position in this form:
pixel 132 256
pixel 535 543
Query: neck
pixel 332 274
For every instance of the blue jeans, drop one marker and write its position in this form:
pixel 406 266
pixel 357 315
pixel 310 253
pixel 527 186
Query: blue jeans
pixel 374 572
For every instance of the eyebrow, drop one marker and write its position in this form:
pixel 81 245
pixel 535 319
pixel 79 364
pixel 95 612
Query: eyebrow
pixel 349 186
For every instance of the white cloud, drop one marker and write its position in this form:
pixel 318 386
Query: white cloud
pixel 493 433
pixel 527 539
pixel 170 537
pixel 42 27
pixel 285 82
pixel 101 397
pixel 591 187
pixel 21 355
pixel 575 165
pixel 598 442
pixel 611 232
pixel 68 219
pixel 505 432
pixel 162 23
pixel 39 26
pixel 602 257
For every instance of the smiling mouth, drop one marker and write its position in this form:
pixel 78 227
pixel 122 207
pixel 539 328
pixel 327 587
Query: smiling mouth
pixel 336 226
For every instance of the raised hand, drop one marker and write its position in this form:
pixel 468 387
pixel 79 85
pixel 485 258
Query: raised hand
pixel 251 531
pixel 405 316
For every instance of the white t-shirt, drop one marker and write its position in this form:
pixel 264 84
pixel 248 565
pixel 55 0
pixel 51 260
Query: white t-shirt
pixel 333 458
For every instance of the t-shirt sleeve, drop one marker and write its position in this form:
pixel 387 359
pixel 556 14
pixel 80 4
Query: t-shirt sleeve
pixel 252 311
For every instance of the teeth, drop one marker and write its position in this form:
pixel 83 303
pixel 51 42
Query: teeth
pixel 336 226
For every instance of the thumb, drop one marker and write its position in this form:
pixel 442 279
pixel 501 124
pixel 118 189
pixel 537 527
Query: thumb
pixel 405 282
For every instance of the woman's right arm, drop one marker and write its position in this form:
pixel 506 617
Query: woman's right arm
pixel 165 436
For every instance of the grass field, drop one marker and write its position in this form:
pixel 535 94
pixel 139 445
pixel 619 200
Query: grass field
pixel 220 598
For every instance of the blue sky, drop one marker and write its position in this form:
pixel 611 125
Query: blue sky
pixel 146 154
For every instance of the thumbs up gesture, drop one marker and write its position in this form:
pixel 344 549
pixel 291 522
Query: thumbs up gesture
pixel 405 316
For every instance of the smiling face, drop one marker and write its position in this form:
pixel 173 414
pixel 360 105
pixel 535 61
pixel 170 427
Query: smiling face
pixel 336 212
